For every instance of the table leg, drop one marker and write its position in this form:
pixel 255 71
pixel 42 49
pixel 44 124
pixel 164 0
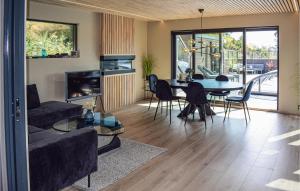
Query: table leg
pixel 184 112
pixel 114 143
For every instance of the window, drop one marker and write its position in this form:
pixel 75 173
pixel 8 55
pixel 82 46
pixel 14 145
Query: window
pixel 50 39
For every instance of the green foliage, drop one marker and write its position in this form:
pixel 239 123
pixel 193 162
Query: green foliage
pixel 54 38
pixel 148 63
pixel 231 43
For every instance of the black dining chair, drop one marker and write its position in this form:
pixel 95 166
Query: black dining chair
pixel 152 87
pixel 198 76
pixel 196 96
pixel 164 94
pixel 220 94
pixel 240 99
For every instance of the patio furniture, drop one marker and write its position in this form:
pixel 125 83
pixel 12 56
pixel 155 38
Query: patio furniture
pixel 240 99
pixel 208 74
pixel 198 76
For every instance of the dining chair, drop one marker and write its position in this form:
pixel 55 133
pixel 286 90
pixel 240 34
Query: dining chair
pixel 240 99
pixel 152 87
pixel 164 94
pixel 198 76
pixel 196 96
pixel 220 94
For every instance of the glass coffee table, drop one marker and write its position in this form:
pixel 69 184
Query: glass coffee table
pixel 105 125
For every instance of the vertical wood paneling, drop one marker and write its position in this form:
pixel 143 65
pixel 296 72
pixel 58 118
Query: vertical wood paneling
pixel 118 91
pixel 117 35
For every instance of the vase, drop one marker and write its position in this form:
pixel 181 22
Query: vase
pixel 44 53
pixel 89 116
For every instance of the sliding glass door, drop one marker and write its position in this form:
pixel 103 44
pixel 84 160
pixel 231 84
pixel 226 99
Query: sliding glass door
pixel 262 67
pixel 183 55
pixel 242 54
pixel 222 53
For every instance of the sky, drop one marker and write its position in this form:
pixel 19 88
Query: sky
pixel 259 38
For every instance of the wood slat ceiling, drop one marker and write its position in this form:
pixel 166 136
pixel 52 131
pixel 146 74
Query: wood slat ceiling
pixel 181 9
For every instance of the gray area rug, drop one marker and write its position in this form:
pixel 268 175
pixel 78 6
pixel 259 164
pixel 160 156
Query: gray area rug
pixel 118 163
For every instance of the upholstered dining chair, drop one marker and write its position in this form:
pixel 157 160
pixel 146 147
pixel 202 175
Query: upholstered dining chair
pixel 196 96
pixel 164 94
pixel 220 94
pixel 198 76
pixel 152 87
pixel 240 99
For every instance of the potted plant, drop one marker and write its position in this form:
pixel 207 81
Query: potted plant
pixel 147 65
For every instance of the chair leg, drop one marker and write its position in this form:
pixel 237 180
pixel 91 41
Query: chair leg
pixel 170 111
pixel 226 111
pixel 230 104
pixel 161 107
pixel 214 102
pixel 157 109
pixel 211 114
pixel 150 102
pixel 224 102
pixel 167 108
pixel 187 114
pixel 248 110
pixel 194 115
pixel 184 103
pixel 245 112
pixel 89 180
pixel 179 104
pixel 204 112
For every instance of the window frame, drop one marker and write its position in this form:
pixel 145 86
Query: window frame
pixel 75 36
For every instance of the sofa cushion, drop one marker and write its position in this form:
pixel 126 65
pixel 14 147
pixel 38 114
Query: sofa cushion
pixel 33 100
pixel 43 136
pixel 59 160
pixel 50 112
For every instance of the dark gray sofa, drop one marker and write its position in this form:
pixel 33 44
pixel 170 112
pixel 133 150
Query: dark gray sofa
pixel 59 160
pixel 44 115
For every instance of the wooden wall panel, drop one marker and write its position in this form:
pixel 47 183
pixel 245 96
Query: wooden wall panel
pixel 116 35
pixel 179 9
pixel 119 91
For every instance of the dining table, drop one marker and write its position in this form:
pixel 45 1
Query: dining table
pixel 210 85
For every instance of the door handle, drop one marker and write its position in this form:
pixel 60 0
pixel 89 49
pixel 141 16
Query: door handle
pixel 18 109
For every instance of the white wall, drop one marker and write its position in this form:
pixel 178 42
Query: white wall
pixel 140 45
pixel 299 63
pixel 159 45
pixel 3 181
pixel 48 73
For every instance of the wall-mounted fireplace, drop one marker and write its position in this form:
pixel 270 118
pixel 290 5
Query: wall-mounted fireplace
pixel 116 64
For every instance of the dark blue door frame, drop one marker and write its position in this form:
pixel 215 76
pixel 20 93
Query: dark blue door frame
pixel 14 95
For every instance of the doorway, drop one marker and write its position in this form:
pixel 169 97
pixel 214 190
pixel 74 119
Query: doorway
pixel 262 67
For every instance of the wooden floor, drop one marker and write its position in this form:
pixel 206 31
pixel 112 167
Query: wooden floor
pixel 263 155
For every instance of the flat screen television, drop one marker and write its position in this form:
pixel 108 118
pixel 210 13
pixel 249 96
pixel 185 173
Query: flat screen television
pixel 82 84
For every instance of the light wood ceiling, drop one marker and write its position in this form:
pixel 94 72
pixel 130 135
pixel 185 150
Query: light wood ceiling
pixel 181 9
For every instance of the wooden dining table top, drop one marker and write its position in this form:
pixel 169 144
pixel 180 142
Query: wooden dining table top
pixel 209 84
